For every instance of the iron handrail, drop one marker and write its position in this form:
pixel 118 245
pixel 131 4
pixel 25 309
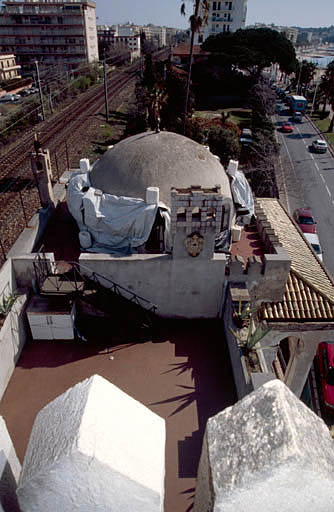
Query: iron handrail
pixel 42 272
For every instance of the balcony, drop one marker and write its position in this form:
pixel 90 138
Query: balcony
pixel 222 19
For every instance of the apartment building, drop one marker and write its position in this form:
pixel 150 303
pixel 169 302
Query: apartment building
pixel 8 67
pixel 49 31
pixel 155 34
pixel 291 33
pixel 223 17
pixel 118 36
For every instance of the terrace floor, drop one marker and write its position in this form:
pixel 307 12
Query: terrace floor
pixel 185 378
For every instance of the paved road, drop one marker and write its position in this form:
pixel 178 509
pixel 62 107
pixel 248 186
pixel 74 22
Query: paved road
pixel 308 180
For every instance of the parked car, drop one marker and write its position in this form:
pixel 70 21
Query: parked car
pixel 246 136
pixel 305 220
pixel 7 98
pixel 25 92
pixel 313 240
pixel 319 146
pixel 325 359
pixel 287 127
pixel 279 107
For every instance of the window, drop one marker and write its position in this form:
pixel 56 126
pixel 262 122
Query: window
pixel 218 6
pixel 214 6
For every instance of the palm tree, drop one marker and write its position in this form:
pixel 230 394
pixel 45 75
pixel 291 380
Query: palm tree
pixel 327 86
pixel 196 22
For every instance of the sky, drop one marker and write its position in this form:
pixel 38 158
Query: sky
pixel 301 13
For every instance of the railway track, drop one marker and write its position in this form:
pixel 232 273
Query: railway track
pixel 19 196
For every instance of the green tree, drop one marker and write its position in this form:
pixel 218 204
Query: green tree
pixel 196 22
pixel 327 87
pixel 253 50
pixel 224 142
pixel 305 72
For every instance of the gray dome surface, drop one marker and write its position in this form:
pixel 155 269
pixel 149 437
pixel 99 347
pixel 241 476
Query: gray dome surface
pixel 163 160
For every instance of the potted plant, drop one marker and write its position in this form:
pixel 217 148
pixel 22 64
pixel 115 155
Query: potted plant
pixel 248 338
pixel 242 315
pixel 6 304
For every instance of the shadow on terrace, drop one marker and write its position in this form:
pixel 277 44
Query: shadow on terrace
pixel 183 375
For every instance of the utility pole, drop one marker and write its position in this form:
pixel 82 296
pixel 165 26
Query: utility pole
pixel 300 72
pixel 40 91
pixel 314 95
pixel 105 89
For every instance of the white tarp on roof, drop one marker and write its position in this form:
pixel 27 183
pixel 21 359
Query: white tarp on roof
pixel 117 224
pixel 241 191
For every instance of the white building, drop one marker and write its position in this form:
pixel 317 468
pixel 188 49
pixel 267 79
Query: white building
pixel 154 33
pixel 119 36
pixel 50 31
pixel 8 67
pixel 223 17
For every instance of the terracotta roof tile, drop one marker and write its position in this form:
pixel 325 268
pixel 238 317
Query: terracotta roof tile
pixel 307 304
pixel 309 291
pixel 304 262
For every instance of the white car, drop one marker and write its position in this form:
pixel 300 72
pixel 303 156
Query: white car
pixel 246 136
pixel 313 240
pixel 319 146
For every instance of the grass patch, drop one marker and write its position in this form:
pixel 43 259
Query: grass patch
pixel 241 117
pixel 322 125
pixel 112 132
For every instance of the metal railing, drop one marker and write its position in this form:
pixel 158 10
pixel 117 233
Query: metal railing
pixel 76 278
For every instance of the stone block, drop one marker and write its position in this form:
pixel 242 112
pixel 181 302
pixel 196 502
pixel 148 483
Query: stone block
pixel 94 448
pixel 269 452
pixel 254 267
pixel 237 265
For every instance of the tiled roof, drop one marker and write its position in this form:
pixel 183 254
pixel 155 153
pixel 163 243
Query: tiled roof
pixel 301 302
pixel 184 49
pixel 309 293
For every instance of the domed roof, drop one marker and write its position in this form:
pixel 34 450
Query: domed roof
pixel 163 160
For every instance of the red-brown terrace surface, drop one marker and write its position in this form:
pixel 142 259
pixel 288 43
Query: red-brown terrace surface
pixel 185 378
pixel 250 244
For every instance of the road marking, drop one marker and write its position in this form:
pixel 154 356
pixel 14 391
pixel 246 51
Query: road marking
pixel 300 135
pixel 329 192
pixel 317 166
pixel 323 179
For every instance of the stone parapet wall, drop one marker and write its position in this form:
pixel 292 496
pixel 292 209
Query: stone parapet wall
pixel 209 203
pixel 266 280
pixel 265 230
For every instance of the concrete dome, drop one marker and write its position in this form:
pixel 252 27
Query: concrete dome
pixel 163 160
